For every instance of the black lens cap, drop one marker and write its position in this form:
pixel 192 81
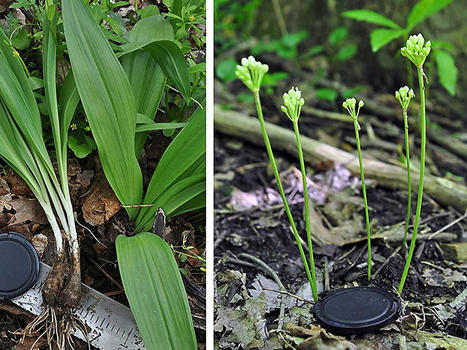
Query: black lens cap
pixel 19 265
pixel 357 310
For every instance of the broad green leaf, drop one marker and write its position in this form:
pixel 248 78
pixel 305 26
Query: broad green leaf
pixel 346 52
pixel 371 17
pixel 196 203
pixel 181 193
pixel 21 39
pixel 338 35
pixel 36 83
pixel 170 58
pixel 326 94
pixel 107 100
pixel 447 70
pixel 144 123
pixel 81 145
pixel 226 70
pixel 439 44
pixel 145 75
pixel 381 37
pixel 183 153
pixel 155 292
pixel 176 7
pixel 424 9
pixel 148 11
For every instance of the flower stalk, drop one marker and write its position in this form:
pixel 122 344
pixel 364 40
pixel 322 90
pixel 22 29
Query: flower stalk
pixel 404 95
pixel 349 104
pixel 417 51
pixel 293 103
pixel 251 73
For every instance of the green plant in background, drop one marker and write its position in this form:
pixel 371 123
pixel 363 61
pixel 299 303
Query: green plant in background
pixel 404 95
pixel 423 9
pixel 417 51
pixel 293 103
pixel 251 73
pixel 350 104
pixel 336 50
pixel 111 98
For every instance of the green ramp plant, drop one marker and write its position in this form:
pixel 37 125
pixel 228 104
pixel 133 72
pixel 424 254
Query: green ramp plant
pixel 350 104
pixel 24 150
pixel 251 73
pixel 293 103
pixel 390 31
pixel 404 95
pixel 416 51
pixel 111 102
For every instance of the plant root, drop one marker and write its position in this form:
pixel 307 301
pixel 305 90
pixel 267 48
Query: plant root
pixel 56 325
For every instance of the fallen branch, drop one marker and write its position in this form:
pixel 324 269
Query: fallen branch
pixel 236 124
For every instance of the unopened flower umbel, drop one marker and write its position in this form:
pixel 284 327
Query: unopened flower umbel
pixel 416 50
pixel 404 95
pixel 251 72
pixel 349 104
pixel 293 102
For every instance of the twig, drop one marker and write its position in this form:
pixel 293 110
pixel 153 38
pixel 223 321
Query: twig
pixel 90 231
pixel 449 225
pixel 394 253
pixel 290 295
pixel 276 279
pixel 106 274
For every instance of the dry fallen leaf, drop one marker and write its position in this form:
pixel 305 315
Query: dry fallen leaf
pixel 28 210
pixel 40 242
pixel 101 203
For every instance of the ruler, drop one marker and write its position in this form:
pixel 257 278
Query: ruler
pixel 111 324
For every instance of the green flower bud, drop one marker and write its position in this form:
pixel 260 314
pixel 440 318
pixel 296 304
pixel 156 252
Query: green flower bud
pixel 293 103
pixel 350 104
pixel 404 95
pixel 251 73
pixel 416 50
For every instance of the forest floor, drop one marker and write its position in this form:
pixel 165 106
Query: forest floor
pixel 249 218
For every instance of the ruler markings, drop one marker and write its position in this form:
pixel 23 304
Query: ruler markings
pixel 120 332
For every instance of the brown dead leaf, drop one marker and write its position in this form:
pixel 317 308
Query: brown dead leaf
pixel 101 203
pixel 40 242
pixel 5 202
pixel 4 188
pixel 28 210
pixel 17 185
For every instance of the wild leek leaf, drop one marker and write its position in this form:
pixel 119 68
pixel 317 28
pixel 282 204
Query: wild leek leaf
pixel 144 124
pixel 183 152
pixel 371 17
pixel 170 58
pixel 159 305
pixel 144 73
pixel 107 100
